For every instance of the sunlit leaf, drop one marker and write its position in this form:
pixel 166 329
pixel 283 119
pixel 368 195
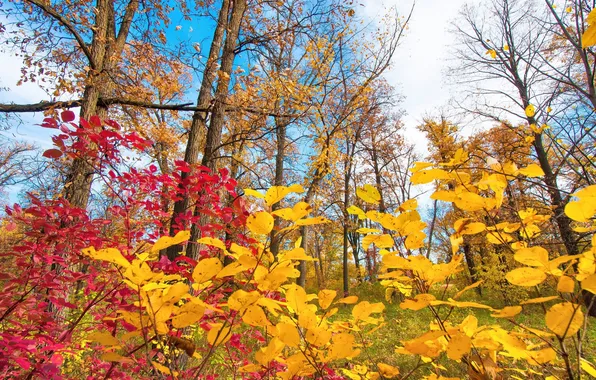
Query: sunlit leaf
pixel 589 283
pixel 388 371
pixel 564 319
pixel 526 276
pixel 260 223
pixel 167 241
pixel 111 255
pixel 532 170
pixel 277 193
pixel 206 269
pixel 507 312
pixel 326 297
pixel 369 194
pixel 458 346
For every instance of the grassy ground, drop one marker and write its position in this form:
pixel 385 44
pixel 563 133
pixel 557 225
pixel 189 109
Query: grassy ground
pixel 407 324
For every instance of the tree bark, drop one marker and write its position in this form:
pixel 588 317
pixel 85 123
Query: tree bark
pixel 199 119
pixel 214 132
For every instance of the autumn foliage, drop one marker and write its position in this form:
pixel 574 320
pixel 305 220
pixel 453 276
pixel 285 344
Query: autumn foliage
pixel 228 238
pixel 94 297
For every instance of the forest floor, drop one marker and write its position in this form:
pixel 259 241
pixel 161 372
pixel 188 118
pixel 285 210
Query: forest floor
pixel 402 325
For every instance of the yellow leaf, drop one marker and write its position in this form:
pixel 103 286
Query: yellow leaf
pixel 415 240
pixel 492 53
pixel 111 255
pixel 296 298
pixel 539 300
pixel 408 205
pixel 188 314
pixel 566 284
pixel 506 47
pixel 312 221
pixel 526 276
pixel 420 301
pixel 214 242
pixel 381 241
pixel 474 285
pixel 420 165
pixel 534 256
pixel 369 194
pixel 564 319
pixel 589 36
pixel 206 269
pixel 167 241
pixel 295 254
pixel 364 309
pixel 465 226
pixel 260 223
pixel 277 193
pixel 546 355
pixel 355 210
pixel 443 195
pixel 326 297
pixel 230 270
pixel 472 202
pixel 114 357
pixel 366 230
pixel 530 110
pixel 299 210
pixel 507 312
pixel 318 336
pixel 387 371
pixel 254 193
pixel 255 316
pixel 288 334
pixel 589 283
pixel 458 346
pixel 103 338
pixel 219 334
pixel 587 367
pixel 269 353
pixel 342 347
pixel 348 300
pixel 429 175
pixel 461 304
pixel 240 299
pixel 498 237
pixel 531 170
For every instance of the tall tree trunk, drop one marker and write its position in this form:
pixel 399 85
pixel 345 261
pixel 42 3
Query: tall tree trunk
pixel 281 124
pixel 469 256
pixel 199 119
pixel 215 130
pixel 346 227
pixel 106 49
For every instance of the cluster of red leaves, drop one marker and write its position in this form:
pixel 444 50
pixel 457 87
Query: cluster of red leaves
pixel 52 296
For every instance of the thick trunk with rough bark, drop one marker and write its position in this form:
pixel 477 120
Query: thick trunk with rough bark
pixel 199 119
pixel 216 124
pixel 106 49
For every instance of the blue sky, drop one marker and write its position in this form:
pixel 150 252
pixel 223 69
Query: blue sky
pixel 417 72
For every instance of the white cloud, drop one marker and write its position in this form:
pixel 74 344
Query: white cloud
pixel 420 60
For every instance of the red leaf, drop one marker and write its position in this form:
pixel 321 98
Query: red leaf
pixel 48 122
pixel 95 121
pixel 67 116
pixel 52 153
